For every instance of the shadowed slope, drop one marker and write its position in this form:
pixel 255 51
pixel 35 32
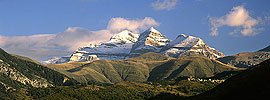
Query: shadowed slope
pixel 251 83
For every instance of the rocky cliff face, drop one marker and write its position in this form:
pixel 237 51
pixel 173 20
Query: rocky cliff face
pixel 127 44
pixel 18 72
pixel 18 76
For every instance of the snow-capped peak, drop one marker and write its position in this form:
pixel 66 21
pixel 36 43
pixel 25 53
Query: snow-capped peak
pixel 152 37
pixel 150 40
pixel 152 29
pixel 124 36
pixel 186 41
pixel 184 45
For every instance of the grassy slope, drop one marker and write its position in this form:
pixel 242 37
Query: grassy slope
pixel 81 76
pixel 149 66
pixel 252 84
pixel 194 65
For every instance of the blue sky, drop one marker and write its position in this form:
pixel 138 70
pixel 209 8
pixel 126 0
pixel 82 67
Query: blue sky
pixel 23 20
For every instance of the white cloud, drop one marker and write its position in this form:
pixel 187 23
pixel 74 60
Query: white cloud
pixel 117 24
pixel 164 4
pixel 237 17
pixel 75 37
pixel 31 46
pixel 44 46
pixel 48 45
pixel 2 41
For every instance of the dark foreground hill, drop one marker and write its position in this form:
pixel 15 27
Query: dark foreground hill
pixel 20 72
pixel 252 83
pixel 147 67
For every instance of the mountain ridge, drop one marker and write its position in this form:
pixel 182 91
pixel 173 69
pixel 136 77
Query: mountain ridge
pixel 146 67
pixel 127 44
pixel 246 59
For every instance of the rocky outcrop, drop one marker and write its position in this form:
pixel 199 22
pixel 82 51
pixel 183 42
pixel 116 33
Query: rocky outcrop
pixel 12 73
pixel 22 72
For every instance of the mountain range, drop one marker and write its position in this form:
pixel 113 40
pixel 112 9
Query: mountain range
pixel 127 44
